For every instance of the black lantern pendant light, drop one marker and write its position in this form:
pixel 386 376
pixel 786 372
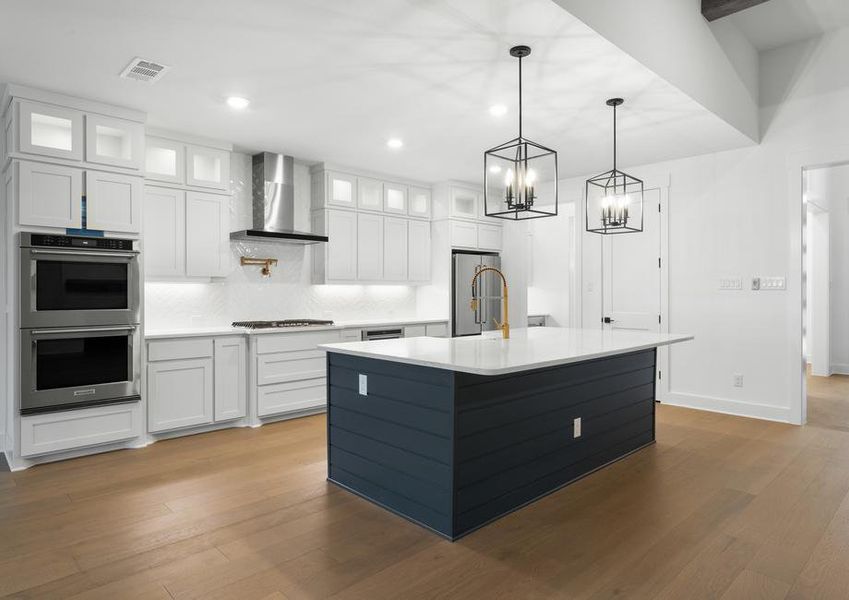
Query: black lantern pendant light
pixel 614 200
pixel 520 176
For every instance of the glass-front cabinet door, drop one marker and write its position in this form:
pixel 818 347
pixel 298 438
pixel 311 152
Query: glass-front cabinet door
pixel 50 130
pixel 395 198
pixel 207 167
pixel 341 190
pixel 464 203
pixel 115 142
pixel 419 202
pixel 369 194
pixel 164 160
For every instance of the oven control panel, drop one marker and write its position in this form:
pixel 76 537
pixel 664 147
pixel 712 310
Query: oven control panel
pixel 71 241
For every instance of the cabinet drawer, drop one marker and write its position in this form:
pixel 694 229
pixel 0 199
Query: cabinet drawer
pixel 290 366
pixel 288 397
pixel 179 349
pixel 67 430
pixel 289 342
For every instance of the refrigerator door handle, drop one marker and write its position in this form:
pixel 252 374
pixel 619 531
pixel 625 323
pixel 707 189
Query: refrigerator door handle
pixel 476 290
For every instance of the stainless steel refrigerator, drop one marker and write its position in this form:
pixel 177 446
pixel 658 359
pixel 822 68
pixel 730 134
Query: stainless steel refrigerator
pixel 465 321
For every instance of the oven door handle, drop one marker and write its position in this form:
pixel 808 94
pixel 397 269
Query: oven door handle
pixel 36 332
pixel 104 254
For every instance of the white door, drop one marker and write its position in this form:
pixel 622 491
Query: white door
pixel 50 130
pixel 207 235
pixel 165 160
pixel 179 393
pixel 395 198
pixel 231 386
pixel 164 232
pixel 419 202
pixel 631 272
pixel 369 247
pixel 419 251
pixel 113 202
pixel 341 190
pixel 394 249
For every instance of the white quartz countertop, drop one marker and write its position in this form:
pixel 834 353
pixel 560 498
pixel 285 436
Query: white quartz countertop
pixel 488 354
pixel 216 330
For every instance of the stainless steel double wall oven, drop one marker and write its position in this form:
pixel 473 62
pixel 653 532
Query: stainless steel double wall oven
pixel 79 317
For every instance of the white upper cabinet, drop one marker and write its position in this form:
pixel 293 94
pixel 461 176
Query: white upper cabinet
pixel 48 195
pixel 419 202
pixel 113 201
pixel 369 194
pixel 115 142
pixel 463 234
pixel 165 160
pixel 164 232
pixel 395 198
pixel 207 235
pixel 463 203
pixel 342 245
pixel 418 255
pixel 50 130
pixel 489 237
pixel 369 247
pixel 341 190
pixel 207 167
pixel 394 249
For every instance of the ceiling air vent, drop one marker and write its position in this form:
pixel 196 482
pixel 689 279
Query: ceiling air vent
pixel 144 70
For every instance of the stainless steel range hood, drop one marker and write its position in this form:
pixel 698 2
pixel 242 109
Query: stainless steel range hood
pixel 274 203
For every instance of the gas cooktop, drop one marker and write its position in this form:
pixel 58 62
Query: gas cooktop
pixel 281 323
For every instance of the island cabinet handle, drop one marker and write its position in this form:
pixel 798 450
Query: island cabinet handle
pixel 608 320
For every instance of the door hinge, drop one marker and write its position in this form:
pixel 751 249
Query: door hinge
pixel 658 262
pixel 658 207
pixel 660 374
pixel 658 318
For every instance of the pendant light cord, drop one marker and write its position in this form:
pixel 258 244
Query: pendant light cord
pixel 520 97
pixel 614 138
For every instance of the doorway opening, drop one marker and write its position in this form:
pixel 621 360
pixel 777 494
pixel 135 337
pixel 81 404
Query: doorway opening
pixel 825 301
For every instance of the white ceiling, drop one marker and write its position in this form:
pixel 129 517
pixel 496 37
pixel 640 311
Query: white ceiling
pixel 333 80
pixel 781 22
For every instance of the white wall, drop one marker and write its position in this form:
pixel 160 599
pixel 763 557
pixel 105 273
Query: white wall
pixel 288 293
pixel 736 214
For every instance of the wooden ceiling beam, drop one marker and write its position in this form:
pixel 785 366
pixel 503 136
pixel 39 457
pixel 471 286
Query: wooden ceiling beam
pixel 716 9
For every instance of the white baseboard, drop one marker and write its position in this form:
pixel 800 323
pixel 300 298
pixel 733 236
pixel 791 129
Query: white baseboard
pixel 840 369
pixel 728 406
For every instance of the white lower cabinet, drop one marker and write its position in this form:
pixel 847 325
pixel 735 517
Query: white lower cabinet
pixel 68 430
pixel 291 373
pixel 231 389
pixel 195 381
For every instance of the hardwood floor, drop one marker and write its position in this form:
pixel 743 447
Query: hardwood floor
pixel 828 401
pixel 721 507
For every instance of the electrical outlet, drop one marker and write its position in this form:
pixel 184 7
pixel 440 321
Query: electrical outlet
pixel 363 385
pixel 738 380
pixel 576 427
pixel 773 283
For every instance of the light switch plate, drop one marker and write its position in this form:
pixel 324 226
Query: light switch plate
pixel 773 283
pixel 576 427
pixel 363 385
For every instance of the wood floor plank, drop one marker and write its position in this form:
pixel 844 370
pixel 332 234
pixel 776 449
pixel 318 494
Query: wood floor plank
pixel 750 585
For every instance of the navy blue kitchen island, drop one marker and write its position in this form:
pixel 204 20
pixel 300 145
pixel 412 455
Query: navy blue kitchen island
pixel 454 433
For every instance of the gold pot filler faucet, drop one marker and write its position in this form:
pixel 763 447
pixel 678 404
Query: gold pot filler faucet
pixel 504 326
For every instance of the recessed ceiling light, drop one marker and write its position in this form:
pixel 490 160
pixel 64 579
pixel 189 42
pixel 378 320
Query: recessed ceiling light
pixel 498 110
pixel 237 102
pixel 394 143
